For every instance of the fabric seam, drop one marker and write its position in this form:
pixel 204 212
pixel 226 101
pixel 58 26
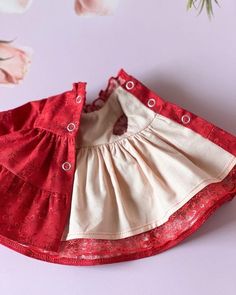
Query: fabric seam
pixel 26 181
pixel 121 139
pixel 204 182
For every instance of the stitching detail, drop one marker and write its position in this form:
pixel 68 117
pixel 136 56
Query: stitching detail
pixel 66 135
pixel 228 166
pixel 26 181
pixel 85 261
pixel 120 139
pixel 213 127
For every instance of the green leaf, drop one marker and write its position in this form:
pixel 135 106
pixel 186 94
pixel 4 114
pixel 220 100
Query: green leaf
pixel 202 4
pixel 189 4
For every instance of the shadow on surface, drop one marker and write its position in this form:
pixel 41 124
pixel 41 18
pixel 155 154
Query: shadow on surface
pixel 167 87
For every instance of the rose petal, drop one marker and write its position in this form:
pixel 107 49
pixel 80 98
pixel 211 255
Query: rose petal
pixel 95 7
pixel 15 64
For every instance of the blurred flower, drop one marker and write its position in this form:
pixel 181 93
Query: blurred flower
pixel 14 63
pixel 14 6
pixel 95 7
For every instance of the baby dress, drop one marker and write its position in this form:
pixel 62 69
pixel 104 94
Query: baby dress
pixel 124 177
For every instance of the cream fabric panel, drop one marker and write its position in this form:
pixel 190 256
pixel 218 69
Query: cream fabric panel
pixel 96 127
pixel 128 184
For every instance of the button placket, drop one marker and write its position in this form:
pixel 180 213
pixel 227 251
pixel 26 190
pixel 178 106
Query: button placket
pixel 66 166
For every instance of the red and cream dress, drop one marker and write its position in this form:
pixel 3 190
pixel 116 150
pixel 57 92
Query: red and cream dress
pixel 127 176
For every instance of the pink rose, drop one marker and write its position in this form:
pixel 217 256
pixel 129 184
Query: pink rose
pixel 95 7
pixel 14 63
pixel 14 6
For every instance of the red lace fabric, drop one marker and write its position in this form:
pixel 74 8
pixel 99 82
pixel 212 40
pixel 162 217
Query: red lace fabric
pixel 179 226
pixel 35 192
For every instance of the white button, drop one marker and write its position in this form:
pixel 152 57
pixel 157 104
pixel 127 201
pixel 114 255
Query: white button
pixel 78 99
pixel 130 85
pixel 151 102
pixel 66 166
pixel 71 127
pixel 185 119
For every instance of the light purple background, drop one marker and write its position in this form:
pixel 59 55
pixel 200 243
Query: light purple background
pixel 188 60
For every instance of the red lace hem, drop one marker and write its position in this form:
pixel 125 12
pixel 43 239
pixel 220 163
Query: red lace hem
pixel 180 225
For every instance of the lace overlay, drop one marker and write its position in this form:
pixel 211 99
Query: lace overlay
pixel 180 225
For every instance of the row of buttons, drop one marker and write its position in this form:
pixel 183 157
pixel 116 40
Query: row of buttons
pixel 71 127
pixel 152 102
pixel 129 85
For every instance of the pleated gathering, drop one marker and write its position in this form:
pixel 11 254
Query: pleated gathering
pixel 30 211
pixel 126 185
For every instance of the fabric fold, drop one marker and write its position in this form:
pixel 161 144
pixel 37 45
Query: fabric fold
pixel 125 185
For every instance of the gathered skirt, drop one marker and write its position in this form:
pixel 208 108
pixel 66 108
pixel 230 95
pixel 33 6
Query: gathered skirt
pixel 147 174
